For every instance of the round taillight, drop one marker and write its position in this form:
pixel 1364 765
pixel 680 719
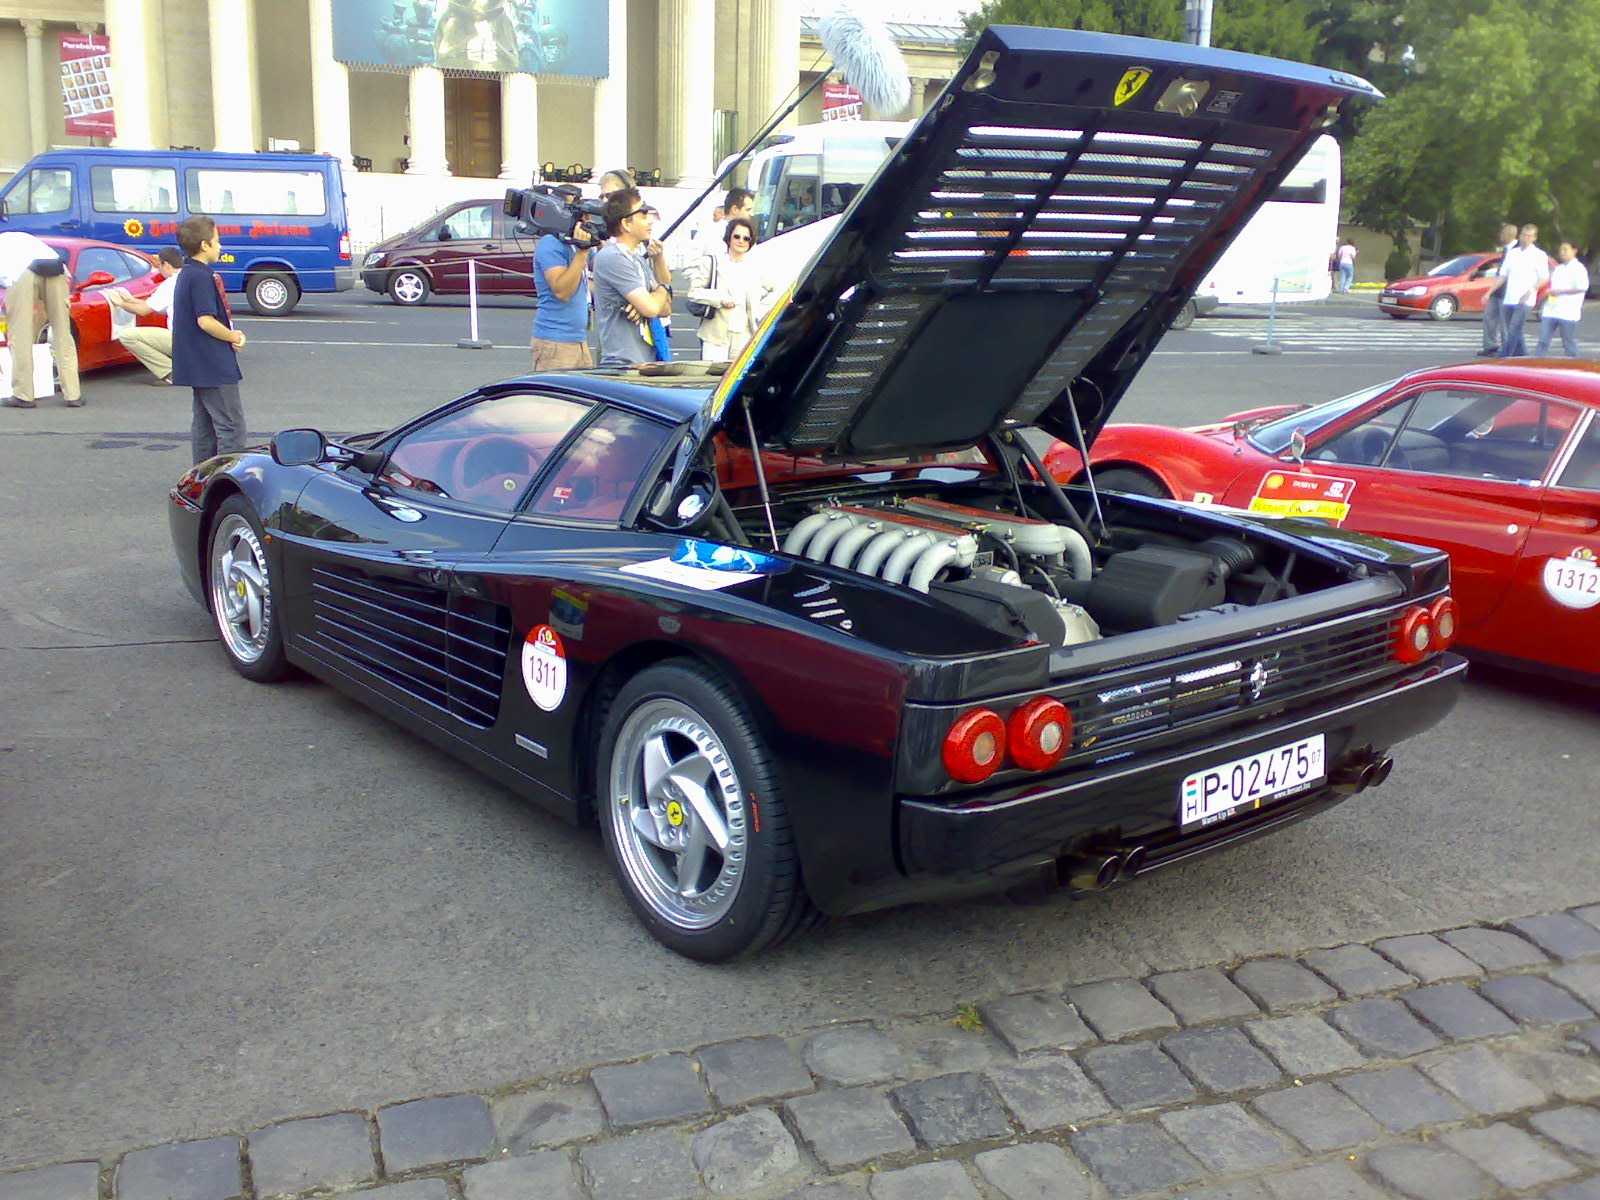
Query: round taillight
pixel 1039 733
pixel 1443 614
pixel 1413 636
pixel 975 746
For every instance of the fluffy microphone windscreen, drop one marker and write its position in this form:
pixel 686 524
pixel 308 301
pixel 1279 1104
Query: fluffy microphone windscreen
pixel 867 57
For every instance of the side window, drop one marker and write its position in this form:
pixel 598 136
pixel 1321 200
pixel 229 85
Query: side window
pixel 137 266
pixel 1366 444
pixel 485 454
pixel 134 189
pixel 217 191
pixel 470 224
pixel 44 190
pixel 1583 469
pixel 100 258
pixel 602 468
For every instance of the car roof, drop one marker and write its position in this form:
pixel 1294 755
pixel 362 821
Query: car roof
pixel 674 398
pixel 1574 379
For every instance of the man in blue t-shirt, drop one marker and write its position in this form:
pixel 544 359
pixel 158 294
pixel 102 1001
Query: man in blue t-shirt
pixel 205 344
pixel 561 326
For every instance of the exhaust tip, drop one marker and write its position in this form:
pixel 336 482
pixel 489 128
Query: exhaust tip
pixel 1380 771
pixel 1134 862
pixel 1091 872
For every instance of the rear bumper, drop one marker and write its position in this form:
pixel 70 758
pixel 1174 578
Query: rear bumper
pixel 1206 304
pixel 344 278
pixel 1135 801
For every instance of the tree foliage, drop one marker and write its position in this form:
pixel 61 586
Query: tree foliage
pixel 1271 27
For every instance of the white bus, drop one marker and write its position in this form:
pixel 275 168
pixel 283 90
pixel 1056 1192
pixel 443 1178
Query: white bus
pixel 804 178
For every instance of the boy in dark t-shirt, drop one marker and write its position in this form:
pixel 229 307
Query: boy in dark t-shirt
pixel 205 344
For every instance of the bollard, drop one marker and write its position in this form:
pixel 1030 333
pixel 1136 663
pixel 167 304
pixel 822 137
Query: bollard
pixel 474 342
pixel 1270 346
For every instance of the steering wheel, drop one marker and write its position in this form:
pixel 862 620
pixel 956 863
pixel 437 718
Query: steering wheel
pixel 494 470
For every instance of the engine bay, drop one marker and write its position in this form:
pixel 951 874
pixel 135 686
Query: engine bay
pixel 986 551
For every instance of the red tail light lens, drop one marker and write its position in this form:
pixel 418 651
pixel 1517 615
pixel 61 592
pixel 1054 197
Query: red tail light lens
pixel 975 746
pixel 1443 615
pixel 1414 636
pixel 344 245
pixel 1039 733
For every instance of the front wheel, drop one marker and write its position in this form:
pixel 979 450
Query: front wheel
pixel 1443 307
pixel 242 600
pixel 1131 481
pixel 409 286
pixel 692 819
pixel 272 293
pixel 1186 315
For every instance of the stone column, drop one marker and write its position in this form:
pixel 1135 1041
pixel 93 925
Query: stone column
pixel 774 47
pixel 519 127
pixel 427 122
pixel 684 90
pixel 611 94
pixel 128 24
pixel 233 75
pixel 330 87
pixel 38 129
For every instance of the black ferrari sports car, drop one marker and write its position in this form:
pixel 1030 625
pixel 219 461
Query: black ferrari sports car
pixel 815 632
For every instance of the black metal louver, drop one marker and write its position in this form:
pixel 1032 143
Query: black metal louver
pixel 1040 225
pixel 440 646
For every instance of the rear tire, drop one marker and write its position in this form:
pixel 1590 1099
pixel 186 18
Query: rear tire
pixel 409 286
pixel 1131 481
pixel 272 293
pixel 1186 315
pixel 692 819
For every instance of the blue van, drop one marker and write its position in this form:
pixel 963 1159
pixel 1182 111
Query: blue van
pixel 281 216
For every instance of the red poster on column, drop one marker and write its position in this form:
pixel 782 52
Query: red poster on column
pixel 840 102
pixel 86 84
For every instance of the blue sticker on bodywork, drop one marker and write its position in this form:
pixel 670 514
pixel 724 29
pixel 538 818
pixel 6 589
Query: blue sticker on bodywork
pixel 712 556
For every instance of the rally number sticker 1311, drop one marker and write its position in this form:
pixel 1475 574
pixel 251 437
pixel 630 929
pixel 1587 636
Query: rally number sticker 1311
pixel 544 667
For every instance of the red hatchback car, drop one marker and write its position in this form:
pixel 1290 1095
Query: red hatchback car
pixel 1496 462
pixel 1455 286
pixel 93 266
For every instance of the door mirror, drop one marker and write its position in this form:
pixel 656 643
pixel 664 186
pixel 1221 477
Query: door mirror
pixel 99 279
pixel 1297 445
pixel 299 448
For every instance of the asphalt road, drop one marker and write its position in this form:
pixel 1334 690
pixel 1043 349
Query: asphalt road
pixel 223 904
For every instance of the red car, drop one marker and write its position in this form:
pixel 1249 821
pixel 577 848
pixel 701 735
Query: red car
pixel 93 266
pixel 1496 462
pixel 1457 285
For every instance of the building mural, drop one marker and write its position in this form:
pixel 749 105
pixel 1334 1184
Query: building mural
pixel 539 37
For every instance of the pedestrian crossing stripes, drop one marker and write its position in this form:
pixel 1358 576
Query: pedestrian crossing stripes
pixel 1337 334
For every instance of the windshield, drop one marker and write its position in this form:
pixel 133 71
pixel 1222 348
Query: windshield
pixel 1274 437
pixel 1459 265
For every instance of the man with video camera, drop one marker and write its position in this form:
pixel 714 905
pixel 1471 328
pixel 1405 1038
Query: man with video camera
pixel 631 289
pixel 561 324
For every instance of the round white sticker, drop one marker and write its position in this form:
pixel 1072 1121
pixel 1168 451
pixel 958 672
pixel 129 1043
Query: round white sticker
pixel 1574 580
pixel 544 667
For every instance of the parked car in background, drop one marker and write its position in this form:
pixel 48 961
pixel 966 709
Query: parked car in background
pixel 1496 462
pixel 1457 285
pixel 281 216
pixel 93 266
pixel 432 258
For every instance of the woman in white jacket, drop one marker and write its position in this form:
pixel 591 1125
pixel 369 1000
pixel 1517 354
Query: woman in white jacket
pixel 733 287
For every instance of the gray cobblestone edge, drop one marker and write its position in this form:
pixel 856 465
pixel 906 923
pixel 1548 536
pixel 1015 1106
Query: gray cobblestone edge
pixel 1231 1079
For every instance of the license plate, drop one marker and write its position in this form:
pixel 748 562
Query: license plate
pixel 1253 780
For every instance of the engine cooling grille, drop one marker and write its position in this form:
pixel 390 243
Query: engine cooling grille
pixel 1135 705
pixel 1104 216
pixel 441 647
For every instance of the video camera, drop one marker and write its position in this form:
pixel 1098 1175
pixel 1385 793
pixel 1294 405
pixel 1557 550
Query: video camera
pixel 542 209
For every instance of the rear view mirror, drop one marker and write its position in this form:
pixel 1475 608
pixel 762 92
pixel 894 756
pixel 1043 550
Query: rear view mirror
pixel 299 447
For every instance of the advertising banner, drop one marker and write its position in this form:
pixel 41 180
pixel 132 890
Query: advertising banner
pixel 540 37
pixel 86 84
pixel 840 102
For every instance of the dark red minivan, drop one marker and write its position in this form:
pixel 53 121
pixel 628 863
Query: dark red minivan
pixel 433 256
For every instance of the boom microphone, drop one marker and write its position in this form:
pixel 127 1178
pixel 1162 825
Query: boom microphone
pixel 865 54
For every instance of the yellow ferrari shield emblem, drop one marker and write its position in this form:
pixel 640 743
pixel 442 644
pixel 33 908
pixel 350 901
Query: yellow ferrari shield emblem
pixel 1129 86
pixel 674 813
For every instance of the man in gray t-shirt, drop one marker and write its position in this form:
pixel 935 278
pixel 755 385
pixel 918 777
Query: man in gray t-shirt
pixel 629 287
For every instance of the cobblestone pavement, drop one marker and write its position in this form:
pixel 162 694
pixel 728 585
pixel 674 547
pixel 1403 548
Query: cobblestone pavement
pixel 1461 1065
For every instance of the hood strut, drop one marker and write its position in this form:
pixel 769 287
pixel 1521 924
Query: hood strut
pixel 761 471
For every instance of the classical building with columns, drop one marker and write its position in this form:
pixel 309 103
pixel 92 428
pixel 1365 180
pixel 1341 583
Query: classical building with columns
pixel 423 116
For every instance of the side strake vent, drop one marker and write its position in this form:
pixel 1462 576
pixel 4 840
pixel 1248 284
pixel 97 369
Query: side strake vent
pixel 442 647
